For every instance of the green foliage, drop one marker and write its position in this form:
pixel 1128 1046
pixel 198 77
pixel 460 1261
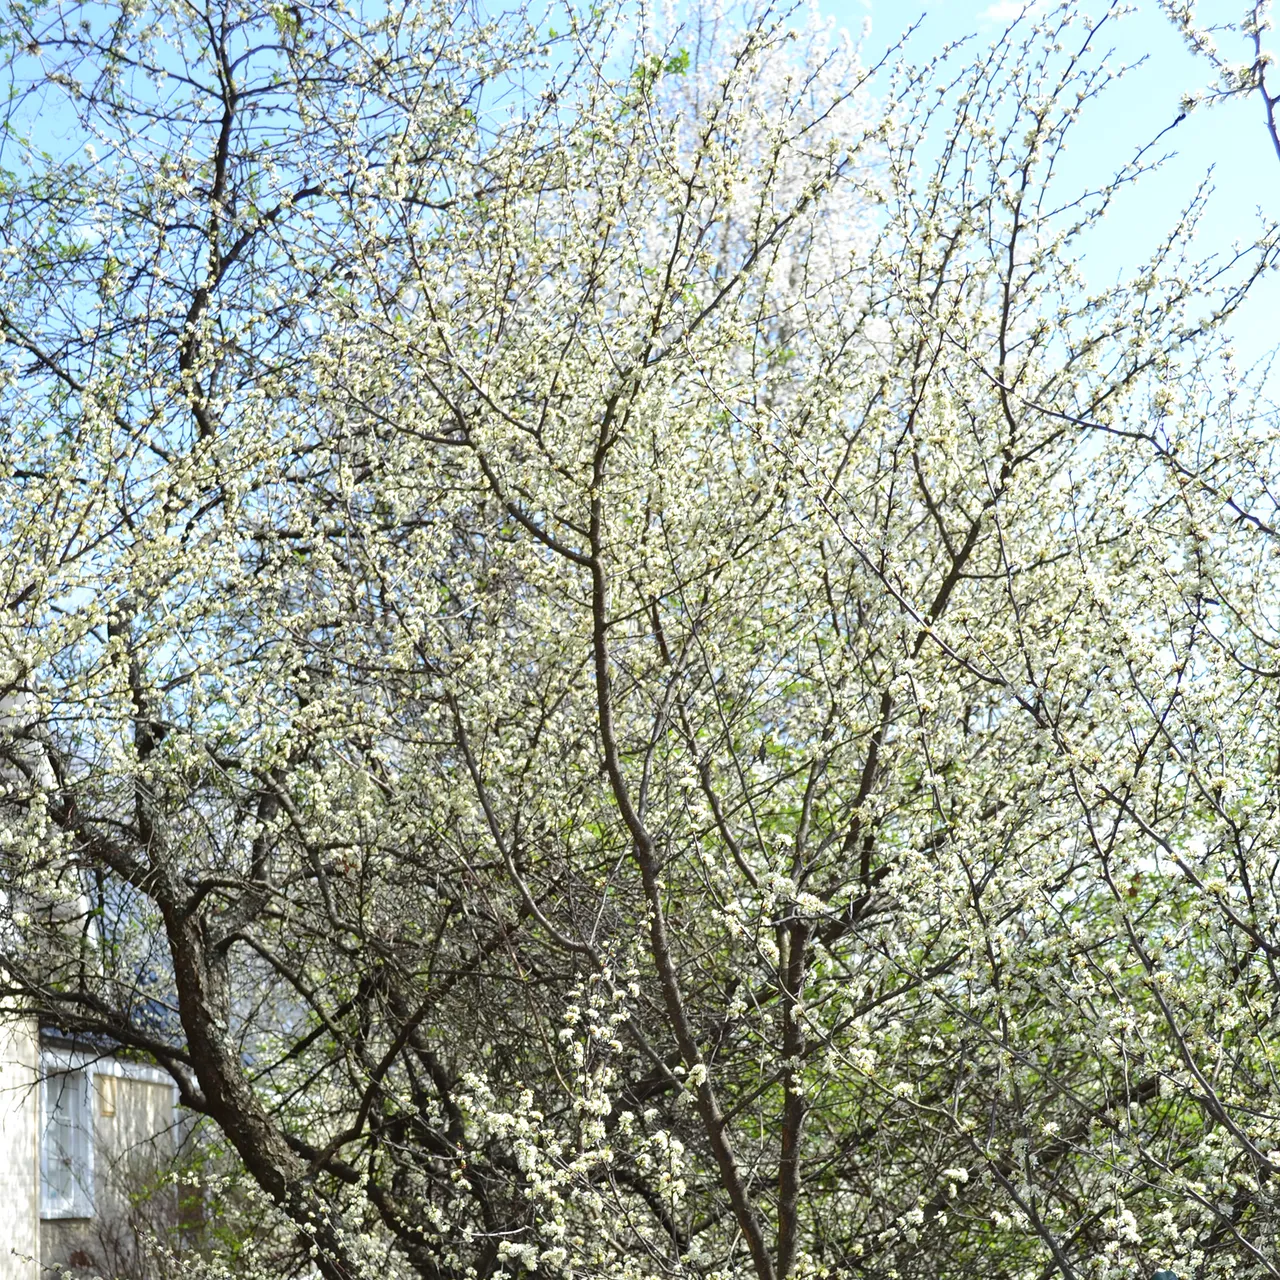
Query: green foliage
pixel 654 66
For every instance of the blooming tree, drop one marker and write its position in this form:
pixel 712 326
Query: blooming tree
pixel 616 665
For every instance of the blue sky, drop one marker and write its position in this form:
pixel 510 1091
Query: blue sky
pixel 1230 140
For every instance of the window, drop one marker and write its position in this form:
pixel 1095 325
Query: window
pixel 66 1146
pixel 106 1094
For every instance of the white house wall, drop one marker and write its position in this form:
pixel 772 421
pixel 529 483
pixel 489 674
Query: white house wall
pixel 132 1149
pixel 19 1151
